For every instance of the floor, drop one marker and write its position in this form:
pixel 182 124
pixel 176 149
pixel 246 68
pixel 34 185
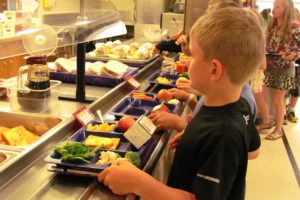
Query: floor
pixel 273 175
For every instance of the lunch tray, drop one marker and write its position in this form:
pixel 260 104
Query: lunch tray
pixel 93 80
pixel 144 153
pixel 154 89
pixel 172 78
pixel 138 107
pixel 133 63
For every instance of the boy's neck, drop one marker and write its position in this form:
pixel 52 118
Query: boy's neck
pixel 223 96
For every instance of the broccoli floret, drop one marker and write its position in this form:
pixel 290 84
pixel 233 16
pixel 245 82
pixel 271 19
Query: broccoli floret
pixel 133 157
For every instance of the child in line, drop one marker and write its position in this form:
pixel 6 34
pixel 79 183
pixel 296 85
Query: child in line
pixel 211 158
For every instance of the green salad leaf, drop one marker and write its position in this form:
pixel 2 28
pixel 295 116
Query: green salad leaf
pixel 75 151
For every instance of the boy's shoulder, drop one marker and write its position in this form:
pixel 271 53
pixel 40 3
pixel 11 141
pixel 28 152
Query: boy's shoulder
pixel 227 121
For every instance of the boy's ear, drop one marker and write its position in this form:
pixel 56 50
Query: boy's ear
pixel 217 69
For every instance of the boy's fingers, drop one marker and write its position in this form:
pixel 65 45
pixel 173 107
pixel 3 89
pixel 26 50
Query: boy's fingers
pixel 122 162
pixel 102 175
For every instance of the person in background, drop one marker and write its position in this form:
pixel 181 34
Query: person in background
pixel 183 40
pixel 169 45
pixel 265 13
pixel 294 93
pixel 283 35
pixel 211 158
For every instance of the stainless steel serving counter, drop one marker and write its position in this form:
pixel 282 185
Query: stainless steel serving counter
pixel 28 177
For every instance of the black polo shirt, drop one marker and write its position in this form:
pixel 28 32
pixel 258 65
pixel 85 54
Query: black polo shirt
pixel 212 156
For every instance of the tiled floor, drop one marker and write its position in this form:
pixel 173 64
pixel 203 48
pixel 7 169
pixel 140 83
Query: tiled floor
pixel 271 175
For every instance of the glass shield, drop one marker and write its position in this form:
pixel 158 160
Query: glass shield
pixel 39 27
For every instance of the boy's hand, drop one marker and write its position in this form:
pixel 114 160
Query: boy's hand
pixel 121 178
pixel 182 40
pixel 179 94
pixel 174 141
pixel 167 121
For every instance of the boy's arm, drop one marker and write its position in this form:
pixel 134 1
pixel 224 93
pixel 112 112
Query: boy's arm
pixel 125 178
pixel 168 121
pixel 253 154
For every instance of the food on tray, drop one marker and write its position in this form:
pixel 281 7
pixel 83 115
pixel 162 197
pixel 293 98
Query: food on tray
pixel 101 127
pixel 184 74
pixel 182 80
pixel 173 101
pixel 133 157
pixel 164 95
pixel 2 129
pixel 114 68
pixel 74 151
pixel 65 65
pixel 118 50
pixel 161 107
pixel 94 69
pixel 109 157
pixel 163 80
pixel 19 136
pixel 141 95
pixel 103 142
pixel 181 66
pixel 125 123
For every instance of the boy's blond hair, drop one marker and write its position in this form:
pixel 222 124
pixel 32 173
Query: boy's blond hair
pixel 235 37
pixel 218 4
pixel 239 2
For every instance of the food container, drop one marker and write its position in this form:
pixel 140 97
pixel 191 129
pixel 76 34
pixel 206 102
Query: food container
pixel 36 101
pixel 35 123
pixel 155 35
pixel 103 81
pixel 156 87
pixel 6 156
pixel 138 107
pixel 171 78
pixel 131 62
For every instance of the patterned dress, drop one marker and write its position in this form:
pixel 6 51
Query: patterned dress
pixel 280 73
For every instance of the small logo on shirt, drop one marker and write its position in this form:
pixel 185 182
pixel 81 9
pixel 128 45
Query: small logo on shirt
pixel 246 118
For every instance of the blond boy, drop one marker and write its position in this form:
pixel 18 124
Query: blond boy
pixel 211 158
